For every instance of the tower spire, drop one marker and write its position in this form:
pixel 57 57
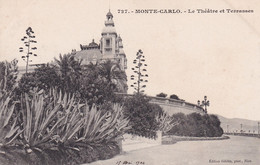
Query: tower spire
pixel 109 5
pixel 109 21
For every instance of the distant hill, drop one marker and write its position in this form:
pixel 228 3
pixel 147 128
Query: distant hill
pixel 234 124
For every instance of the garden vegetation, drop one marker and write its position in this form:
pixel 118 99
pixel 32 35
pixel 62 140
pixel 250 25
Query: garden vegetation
pixel 196 125
pixel 68 113
pixel 58 115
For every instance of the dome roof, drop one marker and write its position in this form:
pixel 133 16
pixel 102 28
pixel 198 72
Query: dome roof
pixel 109 14
pixel 89 55
pixel 109 29
pixel 92 44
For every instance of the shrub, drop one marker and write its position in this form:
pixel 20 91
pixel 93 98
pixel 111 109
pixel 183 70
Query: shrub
pixel 142 115
pixel 196 125
pixel 44 77
pixel 161 95
pixel 173 96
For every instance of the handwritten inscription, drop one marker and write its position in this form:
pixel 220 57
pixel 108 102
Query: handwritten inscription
pixel 130 163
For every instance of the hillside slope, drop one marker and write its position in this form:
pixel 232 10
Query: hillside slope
pixel 235 124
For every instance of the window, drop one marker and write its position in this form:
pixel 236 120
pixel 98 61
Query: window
pixel 107 42
pixel 108 49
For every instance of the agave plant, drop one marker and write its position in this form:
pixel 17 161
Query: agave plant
pixel 72 123
pixel 116 122
pixel 98 128
pixel 9 130
pixel 165 122
pixel 56 119
pixel 40 122
pixel 70 110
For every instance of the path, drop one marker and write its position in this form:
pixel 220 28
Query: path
pixel 243 149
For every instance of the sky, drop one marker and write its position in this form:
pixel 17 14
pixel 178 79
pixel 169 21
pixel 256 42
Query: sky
pixel 188 54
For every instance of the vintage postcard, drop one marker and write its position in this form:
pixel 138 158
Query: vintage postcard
pixel 146 82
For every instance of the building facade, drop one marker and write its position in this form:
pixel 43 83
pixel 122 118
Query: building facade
pixel 110 47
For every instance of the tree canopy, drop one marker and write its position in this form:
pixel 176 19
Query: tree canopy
pixel 92 83
pixel 173 96
pixel 142 115
pixel 196 125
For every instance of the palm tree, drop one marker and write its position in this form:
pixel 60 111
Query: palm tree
pixel 92 71
pixel 113 74
pixel 69 70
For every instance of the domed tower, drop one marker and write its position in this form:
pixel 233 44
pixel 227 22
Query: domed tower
pixel 111 45
pixel 108 40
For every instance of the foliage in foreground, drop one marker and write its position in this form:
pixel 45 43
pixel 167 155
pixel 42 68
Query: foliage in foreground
pixel 9 130
pixel 87 154
pixel 8 75
pixel 8 124
pixel 196 125
pixel 56 122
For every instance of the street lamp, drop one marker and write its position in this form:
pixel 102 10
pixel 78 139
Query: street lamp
pixel 204 103
pixel 258 127
pixel 227 128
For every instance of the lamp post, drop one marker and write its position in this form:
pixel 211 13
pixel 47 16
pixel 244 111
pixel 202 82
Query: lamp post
pixel 258 123
pixel 204 103
pixel 227 128
pixel 28 40
pixel 241 128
